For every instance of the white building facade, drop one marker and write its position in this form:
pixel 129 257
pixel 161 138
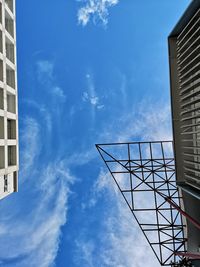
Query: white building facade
pixel 9 160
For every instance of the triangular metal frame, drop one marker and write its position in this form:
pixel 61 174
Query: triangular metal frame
pixel 151 180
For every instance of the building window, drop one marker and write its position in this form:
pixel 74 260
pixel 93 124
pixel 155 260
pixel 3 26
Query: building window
pixel 10 50
pixel 5 183
pixel 1 70
pixel 11 129
pixel 0 12
pixel 11 105
pixel 11 155
pixel 1 42
pixel 9 3
pixel 15 183
pixel 1 127
pixel 2 157
pixel 1 99
pixel 9 24
pixel 10 77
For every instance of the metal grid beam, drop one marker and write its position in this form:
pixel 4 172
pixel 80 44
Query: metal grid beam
pixel 145 175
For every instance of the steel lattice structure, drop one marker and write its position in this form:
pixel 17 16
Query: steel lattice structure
pixel 145 175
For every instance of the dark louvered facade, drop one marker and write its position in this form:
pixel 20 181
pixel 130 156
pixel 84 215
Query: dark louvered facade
pixel 184 57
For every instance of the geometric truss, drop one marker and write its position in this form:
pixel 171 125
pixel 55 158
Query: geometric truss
pixel 145 175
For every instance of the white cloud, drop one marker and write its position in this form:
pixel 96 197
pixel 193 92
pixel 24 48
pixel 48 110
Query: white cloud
pixel 46 76
pixel 127 246
pixel 30 139
pixel 31 221
pixel 97 10
pixel 123 89
pixel 90 95
pixel 58 92
pixel 122 242
pixel 146 121
pixel 30 233
pixel 44 112
pixel 42 241
pixel 36 234
pixel 87 250
pixel 92 99
pixel 45 67
pixel 47 116
pixel 100 106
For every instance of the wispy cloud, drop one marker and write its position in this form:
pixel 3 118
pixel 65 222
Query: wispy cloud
pixel 45 67
pixel 149 122
pixel 92 99
pixel 127 246
pixel 31 221
pixel 122 243
pixel 87 249
pixel 30 233
pixel 143 121
pixel 123 88
pixel 90 96
pixel 44 112
pixel 30 139
pixel 58 92
pixel 95 10
pixel 45 70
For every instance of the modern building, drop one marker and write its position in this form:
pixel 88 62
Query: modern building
pixel 184 58
pixel 8 100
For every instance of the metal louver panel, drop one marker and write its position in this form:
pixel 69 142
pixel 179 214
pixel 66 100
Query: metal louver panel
pixel 188 60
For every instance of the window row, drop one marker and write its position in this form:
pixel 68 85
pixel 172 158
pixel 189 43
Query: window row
pixel 12 156
pixel 11 101
pixel 11 128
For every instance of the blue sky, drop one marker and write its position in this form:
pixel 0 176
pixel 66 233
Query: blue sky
pixel 89 71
